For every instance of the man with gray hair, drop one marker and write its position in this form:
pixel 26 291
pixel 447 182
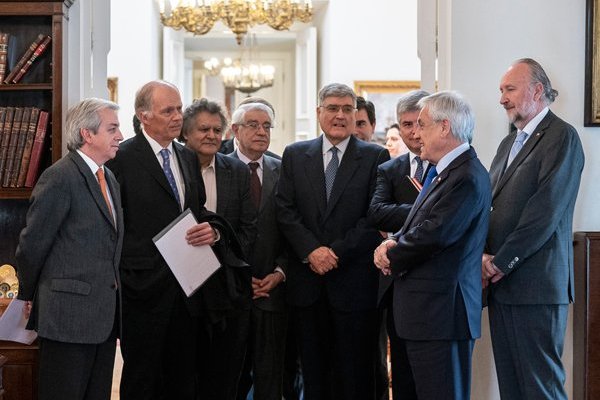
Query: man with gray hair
pixel 68 259
pixel 323 195
pixel 435 258
pixel 389 207
pixel 528 263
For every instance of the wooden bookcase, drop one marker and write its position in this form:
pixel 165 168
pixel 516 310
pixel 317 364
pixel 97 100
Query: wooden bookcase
pixel 43 86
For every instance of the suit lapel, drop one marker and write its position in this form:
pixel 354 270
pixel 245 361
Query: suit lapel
pixel 531 143
pixel 348 165
pixel 315 171
pixel 223 178
pixel 269 180
pixel 93 186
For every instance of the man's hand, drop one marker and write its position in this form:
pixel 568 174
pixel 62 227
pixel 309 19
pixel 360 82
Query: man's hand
pixel 322 260
pixel 489 271
pixel 262 287
pixel 380 257
pixel 201 234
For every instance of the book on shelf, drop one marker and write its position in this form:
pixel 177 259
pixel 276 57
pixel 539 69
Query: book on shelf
pixel 25 159
pixel 3 54
pixel 36 150
pixel 24 58
pixel 12 146
pixel 39 50
pixel 6 130
pixel 14 175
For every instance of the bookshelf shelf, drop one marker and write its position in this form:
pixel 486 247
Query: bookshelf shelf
pixel 23 86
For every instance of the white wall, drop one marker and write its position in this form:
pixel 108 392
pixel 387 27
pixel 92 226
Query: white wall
pixel 135 53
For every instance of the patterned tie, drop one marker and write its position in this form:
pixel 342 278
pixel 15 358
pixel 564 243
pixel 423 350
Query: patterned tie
pixel 516 147
pixel 331 170
pixel 431 174
pixel 169 174
pixel 255 186
pixel 102 182
pixel 419 171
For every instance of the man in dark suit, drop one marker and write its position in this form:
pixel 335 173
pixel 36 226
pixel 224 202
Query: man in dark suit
pixel 389 208
pixel 68 259
pixel 159 178
pixel 324 191
pixel 529 255
pixel 251 124
pixel 365 119
pixel 223 336
pixel 435 258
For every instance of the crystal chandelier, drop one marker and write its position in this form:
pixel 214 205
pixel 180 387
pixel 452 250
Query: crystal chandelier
pixel 245 75
pixel 199 16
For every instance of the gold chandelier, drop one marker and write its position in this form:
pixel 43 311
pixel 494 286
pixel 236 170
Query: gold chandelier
pixel 245 74
pixel 199 16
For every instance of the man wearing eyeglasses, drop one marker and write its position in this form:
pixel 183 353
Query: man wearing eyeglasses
pixel 223 336
pixel 323 195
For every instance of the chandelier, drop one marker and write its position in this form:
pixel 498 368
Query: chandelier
pixel 199 16
pixel 244 74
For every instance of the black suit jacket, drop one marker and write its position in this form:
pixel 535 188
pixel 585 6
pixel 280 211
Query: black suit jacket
pixel 268 250
pixel 308 221
pixel 149 205
pixel 437 262
pixel 531 221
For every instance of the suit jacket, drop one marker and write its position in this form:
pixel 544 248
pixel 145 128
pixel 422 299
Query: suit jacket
pixel 69 252
pixel 437 262
pixel 149 205
pixel 308 221
pixel 268 250
pixel 531 221
pixel 235 206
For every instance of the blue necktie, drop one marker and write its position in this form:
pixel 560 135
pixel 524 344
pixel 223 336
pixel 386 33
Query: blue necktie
pixel 419 171
pixel 516 147
pixel 331 170
pixel 431 174
pixel 169 174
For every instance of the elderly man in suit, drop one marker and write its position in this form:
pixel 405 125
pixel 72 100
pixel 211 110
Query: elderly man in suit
pixel 529 255
pixel 435 258
pixel 252 124
pixel 389 208
pixel 68 259
pixel 223 335
pixel 323 195
pixel 159 178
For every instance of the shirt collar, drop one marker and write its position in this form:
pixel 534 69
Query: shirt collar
pixel 535 121
pixel 341 146
pixel 246 160
pixel 156 147
pixel 451 156
pixel 90 163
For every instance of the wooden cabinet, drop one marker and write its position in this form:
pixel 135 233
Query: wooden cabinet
pixel 43 85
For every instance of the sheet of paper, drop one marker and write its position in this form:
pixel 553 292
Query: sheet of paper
pixel 191 265
pixel 13 322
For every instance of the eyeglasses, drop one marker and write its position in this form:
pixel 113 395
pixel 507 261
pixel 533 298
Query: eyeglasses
pixel 335 108
pixel 255 125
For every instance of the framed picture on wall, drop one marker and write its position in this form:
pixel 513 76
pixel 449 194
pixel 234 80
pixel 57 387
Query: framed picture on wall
pixel 591 112
pixel 384 95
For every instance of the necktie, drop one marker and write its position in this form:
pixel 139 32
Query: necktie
pixel 102 182
pixel 331 170
pixel 431 174
pixel 255 186
pixel 516 147
pixel 419 171
pixel 169 174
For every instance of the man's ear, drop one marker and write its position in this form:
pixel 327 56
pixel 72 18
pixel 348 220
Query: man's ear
pixel 86 134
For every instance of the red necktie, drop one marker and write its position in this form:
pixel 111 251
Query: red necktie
pixel 255 186
pixel 102 182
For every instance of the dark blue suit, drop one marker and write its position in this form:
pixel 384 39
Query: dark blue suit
pixel 334 313
pixel 436 266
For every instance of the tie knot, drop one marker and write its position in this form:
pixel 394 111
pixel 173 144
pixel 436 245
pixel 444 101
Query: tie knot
pixel 432 173
pixel 253 166
pixel 165 154
pixel 418 160
pixel 521 136
pixel 334 153
pixel 100 175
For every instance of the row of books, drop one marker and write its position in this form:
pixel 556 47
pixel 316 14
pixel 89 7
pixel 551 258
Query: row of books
pixel 22 134
pixel 35 49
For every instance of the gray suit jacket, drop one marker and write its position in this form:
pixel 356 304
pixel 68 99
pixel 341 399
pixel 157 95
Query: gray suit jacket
pixel 531 219
pixel 268 250
pixel 69 252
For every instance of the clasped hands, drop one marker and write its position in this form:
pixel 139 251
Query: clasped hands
pixel 262 287
pixel 322 260
pixel 201 234
pixel 489 272
pixel 380 257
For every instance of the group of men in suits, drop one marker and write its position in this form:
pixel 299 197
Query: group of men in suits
pixel 320 220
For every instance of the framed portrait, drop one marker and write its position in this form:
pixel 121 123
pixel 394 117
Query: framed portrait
pixel 384 95
pixel 113 89
pixel 592 64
